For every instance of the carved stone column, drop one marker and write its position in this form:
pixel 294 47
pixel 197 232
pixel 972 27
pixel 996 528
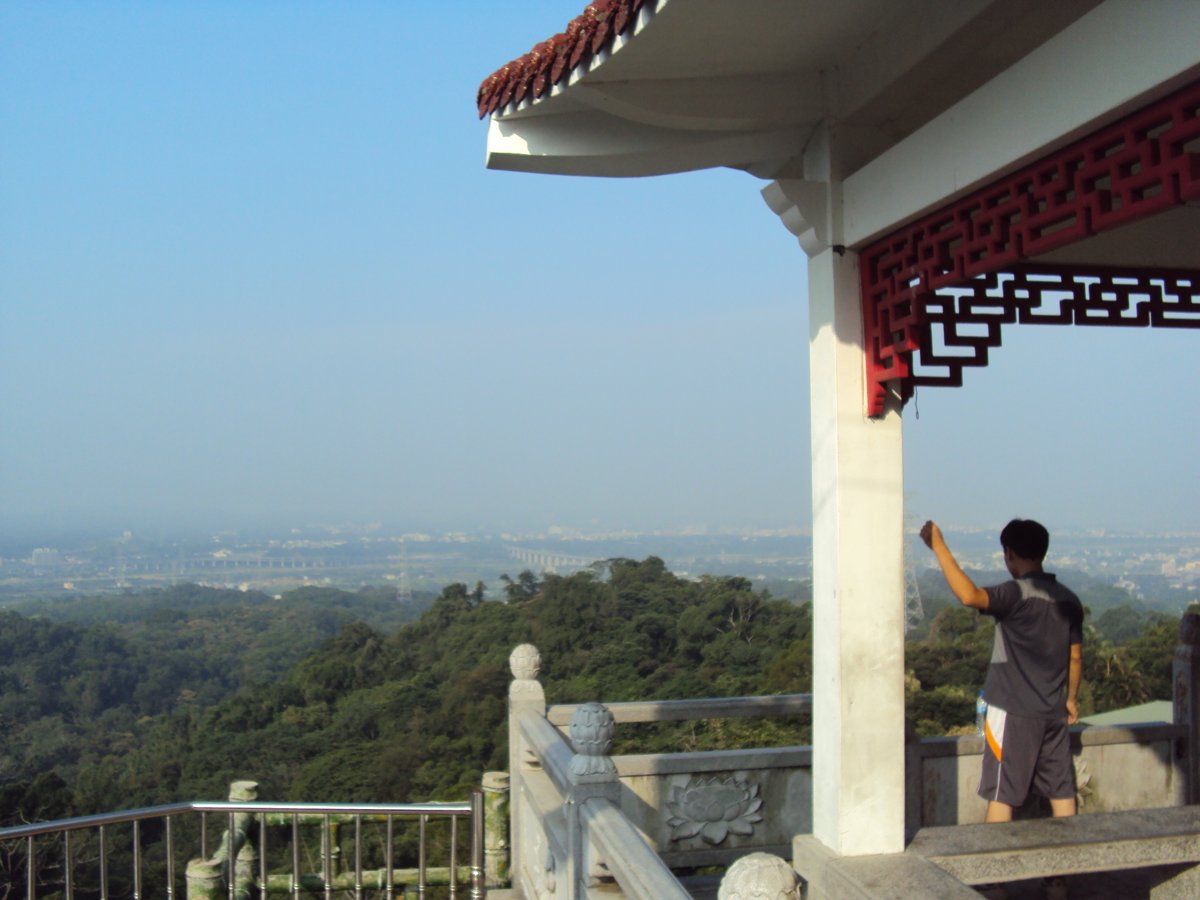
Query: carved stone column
pixel 524 693
pixel 495 829
pixel 593 776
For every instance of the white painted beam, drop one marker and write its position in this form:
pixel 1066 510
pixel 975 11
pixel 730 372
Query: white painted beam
pixel 596 144
pixel 760 102
pixel 1108 62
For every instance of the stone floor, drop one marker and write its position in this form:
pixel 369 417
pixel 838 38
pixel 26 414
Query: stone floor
pixel 1130 884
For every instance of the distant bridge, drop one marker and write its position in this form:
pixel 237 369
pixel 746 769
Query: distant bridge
pixel 548 560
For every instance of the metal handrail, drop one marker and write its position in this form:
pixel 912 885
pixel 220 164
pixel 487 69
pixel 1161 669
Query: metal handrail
pixel 93 821
pixel 461 808
pixel 326 812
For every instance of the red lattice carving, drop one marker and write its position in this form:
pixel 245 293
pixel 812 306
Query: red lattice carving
pixel 963 323
pixel 1145 163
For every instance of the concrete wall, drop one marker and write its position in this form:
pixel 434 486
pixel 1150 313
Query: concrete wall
pixel 1117 768
pixel 767 792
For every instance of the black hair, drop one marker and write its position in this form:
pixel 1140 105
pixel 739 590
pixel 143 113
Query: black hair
pixel 1026 538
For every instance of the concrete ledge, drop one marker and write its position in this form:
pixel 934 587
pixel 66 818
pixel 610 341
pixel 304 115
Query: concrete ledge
pixel 827 876
pixel 1096 842
pixel 643 764
pixel 764 706
pixel 1081 736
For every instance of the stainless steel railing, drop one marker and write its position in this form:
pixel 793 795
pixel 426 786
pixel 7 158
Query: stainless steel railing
pixel 237 881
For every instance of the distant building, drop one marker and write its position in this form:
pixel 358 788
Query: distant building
pixel 46 556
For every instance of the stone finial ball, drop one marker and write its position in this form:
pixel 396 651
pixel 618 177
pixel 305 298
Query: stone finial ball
pixel 592 729
pixel 759 876
pixel 525 662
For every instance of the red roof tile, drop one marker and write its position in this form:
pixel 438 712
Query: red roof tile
pixel 552 61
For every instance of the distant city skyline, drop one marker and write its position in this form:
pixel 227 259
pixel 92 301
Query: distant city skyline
pixel 253 273
pixel 1163 571
pixel 315 534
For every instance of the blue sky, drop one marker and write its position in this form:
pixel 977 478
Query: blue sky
pixel 253 272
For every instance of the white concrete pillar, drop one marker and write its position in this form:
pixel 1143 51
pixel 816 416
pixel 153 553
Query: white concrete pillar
pixel 858 579
pixel 858 552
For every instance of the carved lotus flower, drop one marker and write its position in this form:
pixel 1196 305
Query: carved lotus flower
pixel 591 736
pixel 713 808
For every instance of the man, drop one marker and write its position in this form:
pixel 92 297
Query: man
pixel 1033 680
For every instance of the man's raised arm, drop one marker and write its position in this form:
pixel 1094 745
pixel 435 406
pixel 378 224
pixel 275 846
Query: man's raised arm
pixel 960 583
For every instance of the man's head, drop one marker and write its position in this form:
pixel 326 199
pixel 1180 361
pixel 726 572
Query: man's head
pixel 1026 541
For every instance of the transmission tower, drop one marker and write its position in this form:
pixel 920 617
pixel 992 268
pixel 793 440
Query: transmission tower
pixel 914 612
pixel 403 589
pixel 122 583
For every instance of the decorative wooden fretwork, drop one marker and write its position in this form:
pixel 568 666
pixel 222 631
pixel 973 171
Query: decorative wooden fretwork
pixel 923 307
pixel 962 323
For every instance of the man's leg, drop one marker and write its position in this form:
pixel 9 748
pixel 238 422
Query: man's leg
pixel 999 812
pixel 1055 775
pixel 996 812
pixel 1063 806
pixel 996 780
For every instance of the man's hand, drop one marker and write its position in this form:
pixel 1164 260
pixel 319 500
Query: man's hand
pixel 930 533
pixel 1072 712
pixel 1074 677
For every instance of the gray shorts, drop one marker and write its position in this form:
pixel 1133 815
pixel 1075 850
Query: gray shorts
pixel 1024 753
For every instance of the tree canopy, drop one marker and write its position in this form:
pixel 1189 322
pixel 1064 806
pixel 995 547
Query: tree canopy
pixel 323 695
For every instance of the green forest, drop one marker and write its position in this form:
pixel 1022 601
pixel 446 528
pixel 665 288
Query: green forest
pixel 133 700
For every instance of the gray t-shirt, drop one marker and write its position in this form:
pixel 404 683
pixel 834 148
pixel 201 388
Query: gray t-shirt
pixel 1037 621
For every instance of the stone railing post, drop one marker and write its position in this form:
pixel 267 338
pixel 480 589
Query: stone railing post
pixel 1186 684
pixel 593 776
pixel 205 880
pixel 237 856
pixel 524 693
pixel 759 876
pixel 495 829
pixel 239 843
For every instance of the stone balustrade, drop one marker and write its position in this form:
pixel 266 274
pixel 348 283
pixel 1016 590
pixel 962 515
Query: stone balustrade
pixel 582 819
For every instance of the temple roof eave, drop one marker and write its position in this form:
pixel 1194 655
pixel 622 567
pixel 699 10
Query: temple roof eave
pixel 962 104
pixel 757 68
